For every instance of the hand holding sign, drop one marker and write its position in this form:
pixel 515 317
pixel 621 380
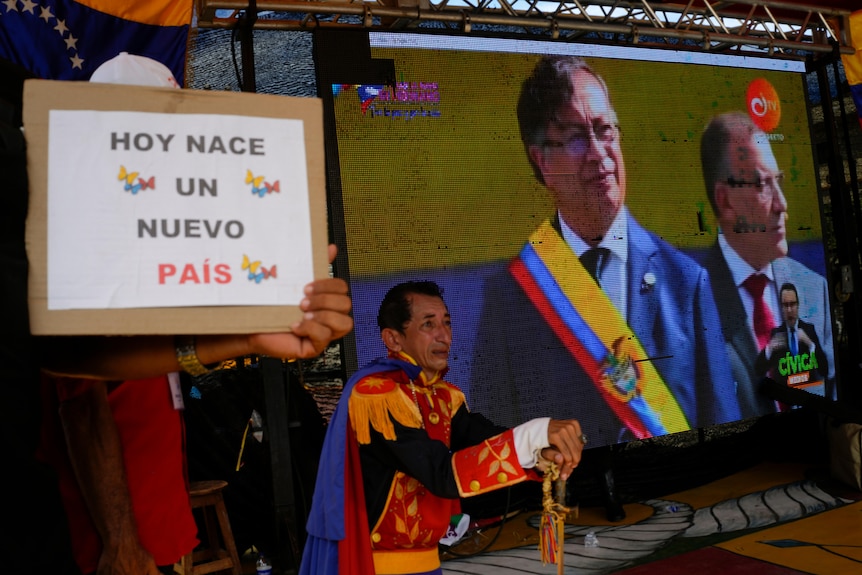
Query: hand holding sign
pixel 326 317
pixel 326 310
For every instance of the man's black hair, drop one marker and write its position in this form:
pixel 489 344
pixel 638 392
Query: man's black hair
pixel 395 311
pixel 787 286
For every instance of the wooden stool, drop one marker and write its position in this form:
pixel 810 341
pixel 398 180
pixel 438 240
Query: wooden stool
pixel 207 495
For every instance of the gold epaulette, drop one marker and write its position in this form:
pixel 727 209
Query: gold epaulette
pixel 373 401
pixel 457 397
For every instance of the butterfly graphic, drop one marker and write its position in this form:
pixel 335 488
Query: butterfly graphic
pixel 268 272
pixel 150 183
pixel 133 183
pixel 259 187
pixel 256 272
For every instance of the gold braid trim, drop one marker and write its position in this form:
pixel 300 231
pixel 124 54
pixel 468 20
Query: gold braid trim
pixel 458 398
pixel 375 401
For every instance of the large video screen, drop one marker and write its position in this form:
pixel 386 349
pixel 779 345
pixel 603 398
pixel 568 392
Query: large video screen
pixel 625 236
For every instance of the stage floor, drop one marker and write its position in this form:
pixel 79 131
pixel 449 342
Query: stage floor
pixel 773 518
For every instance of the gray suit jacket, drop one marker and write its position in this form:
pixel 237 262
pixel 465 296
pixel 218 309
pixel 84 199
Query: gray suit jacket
pixel 741 347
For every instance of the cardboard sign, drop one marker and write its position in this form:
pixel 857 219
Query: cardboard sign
pixel 161 211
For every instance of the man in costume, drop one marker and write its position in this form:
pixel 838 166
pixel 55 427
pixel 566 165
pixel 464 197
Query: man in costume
pixel 596 318
pixel 793 355
pixel 402 448
pixel 749 262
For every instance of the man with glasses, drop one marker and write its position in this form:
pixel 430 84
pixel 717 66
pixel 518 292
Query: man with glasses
pixel 749 261
pixel 597 318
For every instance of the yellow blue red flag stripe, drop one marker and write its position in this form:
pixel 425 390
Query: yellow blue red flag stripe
pixel 596 335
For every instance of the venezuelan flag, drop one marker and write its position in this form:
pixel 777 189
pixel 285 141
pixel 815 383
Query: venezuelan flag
pixel 68 39
pixel 853 64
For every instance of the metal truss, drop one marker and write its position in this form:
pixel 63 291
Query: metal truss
pixel 773 28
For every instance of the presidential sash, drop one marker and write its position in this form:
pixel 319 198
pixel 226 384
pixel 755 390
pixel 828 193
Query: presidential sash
pixel 596 335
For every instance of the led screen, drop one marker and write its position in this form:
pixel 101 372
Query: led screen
pixel 432 180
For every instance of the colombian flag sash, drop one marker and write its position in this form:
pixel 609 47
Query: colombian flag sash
pixel 596 335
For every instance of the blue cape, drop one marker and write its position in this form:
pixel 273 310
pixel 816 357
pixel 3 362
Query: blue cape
pixel 326 524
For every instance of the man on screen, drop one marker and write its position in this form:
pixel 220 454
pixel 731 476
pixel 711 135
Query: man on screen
pixel 635 350
pixel 748 263
pixel 793 355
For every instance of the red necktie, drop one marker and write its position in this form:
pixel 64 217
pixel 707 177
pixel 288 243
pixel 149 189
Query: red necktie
pixel 763 321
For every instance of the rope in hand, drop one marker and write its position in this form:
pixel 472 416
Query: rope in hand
pixel 551 529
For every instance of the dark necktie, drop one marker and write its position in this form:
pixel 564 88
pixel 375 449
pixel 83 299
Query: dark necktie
pixel 763 320
pixel 594 261
pixel 794 350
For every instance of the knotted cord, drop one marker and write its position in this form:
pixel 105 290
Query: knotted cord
pixel 551 529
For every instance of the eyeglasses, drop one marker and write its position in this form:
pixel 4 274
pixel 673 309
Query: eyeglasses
pixel 578 142
pixel 773 181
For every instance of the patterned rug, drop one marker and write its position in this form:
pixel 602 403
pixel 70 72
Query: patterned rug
pixel 769 519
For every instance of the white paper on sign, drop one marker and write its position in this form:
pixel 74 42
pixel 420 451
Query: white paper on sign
pixel 169 210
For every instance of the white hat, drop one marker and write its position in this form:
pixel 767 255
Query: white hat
pixel 133 70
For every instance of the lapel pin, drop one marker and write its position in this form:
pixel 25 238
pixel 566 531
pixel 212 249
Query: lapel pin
pixel 648 281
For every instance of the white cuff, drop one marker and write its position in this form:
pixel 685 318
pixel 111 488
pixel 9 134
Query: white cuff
pixel 530 438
